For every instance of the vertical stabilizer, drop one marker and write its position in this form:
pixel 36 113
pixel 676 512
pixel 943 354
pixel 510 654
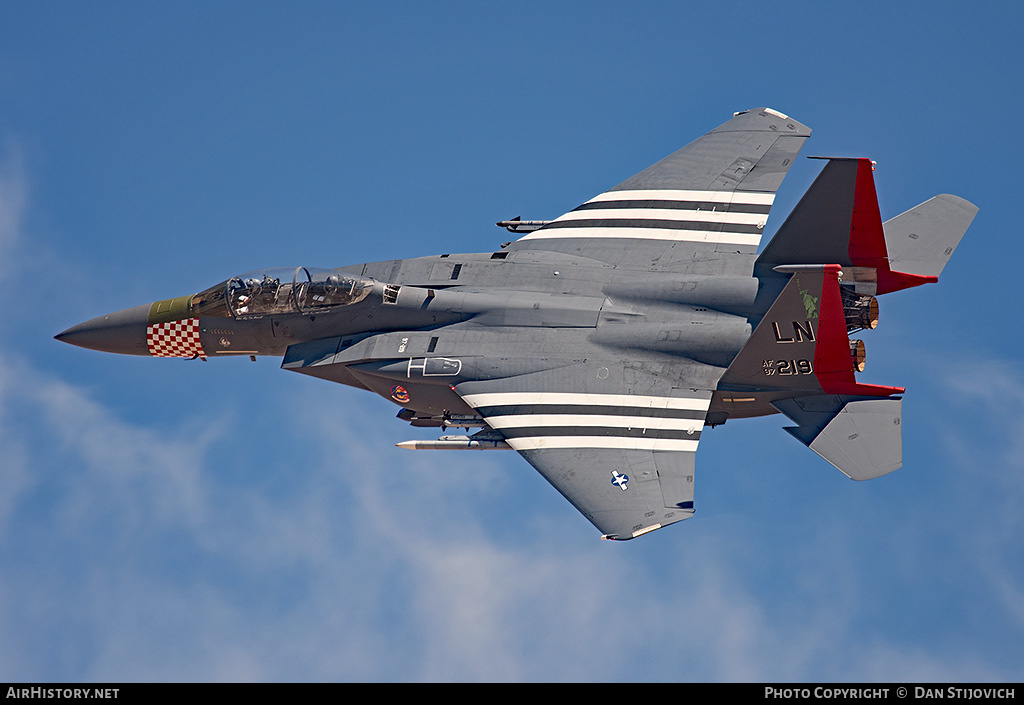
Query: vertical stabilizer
pixel 802 342
pixel 818 231
pixel 838 222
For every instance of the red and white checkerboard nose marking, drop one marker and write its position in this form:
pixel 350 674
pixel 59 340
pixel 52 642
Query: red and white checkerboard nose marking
pixel 175 339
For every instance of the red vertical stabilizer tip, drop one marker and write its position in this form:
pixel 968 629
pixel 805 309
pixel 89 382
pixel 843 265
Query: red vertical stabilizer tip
pixel 867 238
pixel 833 364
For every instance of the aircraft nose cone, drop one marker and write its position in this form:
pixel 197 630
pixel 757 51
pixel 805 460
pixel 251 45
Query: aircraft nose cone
pixel 121 332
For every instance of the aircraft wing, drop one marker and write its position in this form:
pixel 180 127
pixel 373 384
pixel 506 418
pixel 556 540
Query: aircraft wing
pixel 711 196
pixel 623 456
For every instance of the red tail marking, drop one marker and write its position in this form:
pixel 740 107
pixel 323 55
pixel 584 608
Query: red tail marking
pixel 833 364
pixel 867 237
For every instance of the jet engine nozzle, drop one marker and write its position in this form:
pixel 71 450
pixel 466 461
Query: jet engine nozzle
pixel 861 311
pixel 859 354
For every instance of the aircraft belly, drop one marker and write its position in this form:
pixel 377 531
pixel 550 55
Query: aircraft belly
pixel 712 340
pixel 423 397
pixel 417 369
pixel 727 405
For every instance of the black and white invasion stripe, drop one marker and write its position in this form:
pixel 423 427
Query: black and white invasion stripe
pixel 718 217
pixel 537 420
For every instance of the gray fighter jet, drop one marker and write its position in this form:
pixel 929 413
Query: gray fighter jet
pixel 601 343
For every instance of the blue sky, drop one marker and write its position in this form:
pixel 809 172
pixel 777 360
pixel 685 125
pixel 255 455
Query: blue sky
pixel 174 520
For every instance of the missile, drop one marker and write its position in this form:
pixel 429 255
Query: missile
pixel 455 443
pixel 517 225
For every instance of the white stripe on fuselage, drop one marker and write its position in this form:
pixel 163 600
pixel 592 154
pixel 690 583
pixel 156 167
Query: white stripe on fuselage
pixel 736 198
pixel 553 442
pixel 750 198
pixel 509 398
pixel 711 237
pixel 599 420
pixel 727 217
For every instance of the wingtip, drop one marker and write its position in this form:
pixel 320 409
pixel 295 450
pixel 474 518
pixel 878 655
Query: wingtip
pixel 766 119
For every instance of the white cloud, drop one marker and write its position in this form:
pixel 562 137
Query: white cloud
pixel 992 466
pixel 318 551
pixel 132 550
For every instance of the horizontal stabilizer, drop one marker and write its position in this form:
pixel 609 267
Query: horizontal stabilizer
pixel 922 240
pixel 862 438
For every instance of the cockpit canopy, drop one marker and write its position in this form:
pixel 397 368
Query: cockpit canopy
pixel 279 291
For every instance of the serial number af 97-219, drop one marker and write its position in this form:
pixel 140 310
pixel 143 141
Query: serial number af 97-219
pixel 788 367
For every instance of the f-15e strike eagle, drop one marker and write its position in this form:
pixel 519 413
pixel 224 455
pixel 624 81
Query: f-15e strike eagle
pixel 601 343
